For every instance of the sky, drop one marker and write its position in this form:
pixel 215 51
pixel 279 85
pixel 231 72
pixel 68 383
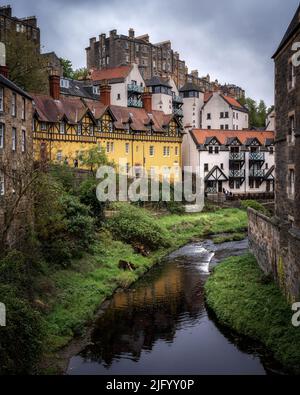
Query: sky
pixel 232 40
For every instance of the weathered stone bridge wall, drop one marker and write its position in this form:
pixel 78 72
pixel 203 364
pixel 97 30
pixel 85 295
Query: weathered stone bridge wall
pixel 277 250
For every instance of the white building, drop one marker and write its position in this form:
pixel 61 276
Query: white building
pixel 127 84
pixel 193 100
pixel 223 112
pixel 240 162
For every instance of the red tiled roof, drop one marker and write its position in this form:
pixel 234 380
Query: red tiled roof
pixel 201 135
pixel 207 96
pixel 110 74
pixel 233 102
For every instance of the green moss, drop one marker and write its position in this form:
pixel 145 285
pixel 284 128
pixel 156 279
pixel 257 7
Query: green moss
pixel 241 299
pixel 229 237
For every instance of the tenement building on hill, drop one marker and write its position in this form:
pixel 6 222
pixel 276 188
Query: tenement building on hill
pixel 153 59
pixel 16 161
pixel 66 126
pixel 276 242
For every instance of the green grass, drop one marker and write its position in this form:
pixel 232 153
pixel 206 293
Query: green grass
pixel 246 301
pixel 229 237
pixel 73 295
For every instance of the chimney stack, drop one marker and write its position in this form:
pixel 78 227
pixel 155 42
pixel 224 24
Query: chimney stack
pixel 54 85
pixel 131 33
pixel 105 92
pixel 147 101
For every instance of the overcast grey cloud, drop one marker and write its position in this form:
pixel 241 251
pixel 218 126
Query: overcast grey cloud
pixel 232 40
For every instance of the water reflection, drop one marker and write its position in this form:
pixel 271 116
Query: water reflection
pixel 161 325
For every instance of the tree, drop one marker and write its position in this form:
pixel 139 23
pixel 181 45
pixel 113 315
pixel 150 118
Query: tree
pixel 67 68
pixel 80 74
pixel 261 114
pixel 27 68
pixel 94 158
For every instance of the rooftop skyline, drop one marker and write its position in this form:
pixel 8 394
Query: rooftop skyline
pixel 232 42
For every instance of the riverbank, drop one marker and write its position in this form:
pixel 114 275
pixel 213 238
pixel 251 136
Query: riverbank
pixel 75 295
pixel 248 302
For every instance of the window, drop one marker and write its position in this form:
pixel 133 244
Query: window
pixel 267 166
pixel 209 116
pixel 233 115
pixel 292 76
pixel 14 139
pixel 23 109
pixel 226 127
pixel 222 166
pixel 206 167
pixel 151 151
pixel 291 183
pixel 176 151
pixel 79 129
pixel 2 191
pixel 221 115
pixel 291 135
pixel 62 128
pixel 59 156
pixel 109 147
pixel 112 147
pixel 96 90
pixel 23 141
pixel 1 135
pixel 222 127
pixel 118 96
pixel 226 114
pixel 209 127
pixel 43 126
pixel 64 83
pixel 251 183
pixel 216 150
pixel 127 148
pixel 14 105
pixel 166 151
pixel 210 150
pixel 237 115
pixel 1 99
pixel 271 150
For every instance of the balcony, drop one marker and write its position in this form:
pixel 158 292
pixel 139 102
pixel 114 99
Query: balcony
pixel 134 88
pixel 257 156
pixel 178 112
pixel 177 99
pixel 135 103
pixel 237 173
pixel 237 156
pixel 211 190
pixel 257 173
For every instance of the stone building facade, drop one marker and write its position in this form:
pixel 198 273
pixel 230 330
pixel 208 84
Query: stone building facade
pixel 282 235
pixel 153 59
pixel 16 161
pixel 26 25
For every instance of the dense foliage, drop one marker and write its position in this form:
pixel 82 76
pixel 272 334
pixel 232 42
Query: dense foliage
pixel 255 205
pixel 137 227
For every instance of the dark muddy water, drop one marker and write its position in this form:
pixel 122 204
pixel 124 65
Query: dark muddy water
pixel 161 325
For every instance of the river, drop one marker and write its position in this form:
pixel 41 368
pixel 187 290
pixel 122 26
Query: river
pixel 161 324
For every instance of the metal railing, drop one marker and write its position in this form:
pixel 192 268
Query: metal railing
pixel 178 99
pixel 178 111
pixel 259 173
pixel 135 88
pixel 211 190
pixel 135 103
pixel 237 173
pixel 257 156
pixel 237 156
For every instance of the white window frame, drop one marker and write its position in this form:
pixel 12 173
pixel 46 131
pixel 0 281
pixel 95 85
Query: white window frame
pixel 23 140
pixel 23 109
pixel 1 98
pixel 151 151
pixel 62 128
pixel 2 135
pixel 14 105
pixel 14 139
pixel 2 184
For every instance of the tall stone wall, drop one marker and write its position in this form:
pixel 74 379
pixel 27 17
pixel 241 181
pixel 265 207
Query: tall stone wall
pixel 276 251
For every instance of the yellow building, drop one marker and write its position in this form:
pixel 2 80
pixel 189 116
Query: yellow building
pixel 65 127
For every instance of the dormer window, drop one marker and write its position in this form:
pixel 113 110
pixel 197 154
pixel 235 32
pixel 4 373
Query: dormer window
pixel 62 128
pixel 64 83
pixel 96 90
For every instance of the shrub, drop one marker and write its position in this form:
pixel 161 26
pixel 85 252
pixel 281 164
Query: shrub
pixel 255 205
pixel 135 226
pixel 87 196
pixel 21 339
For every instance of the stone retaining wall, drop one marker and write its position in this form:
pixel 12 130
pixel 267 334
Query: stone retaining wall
pixel 277 250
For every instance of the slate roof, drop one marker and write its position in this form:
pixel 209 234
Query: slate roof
pixel 157 81
pixel 190 87
pixel 9 84
pixel 79 89
pixel 293 27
